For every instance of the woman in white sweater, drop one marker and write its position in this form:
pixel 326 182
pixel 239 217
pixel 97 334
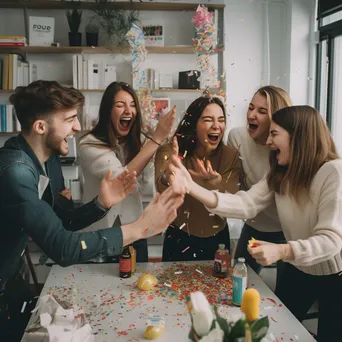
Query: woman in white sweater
pixel 305 179
pixel 250 140
pixel 115 143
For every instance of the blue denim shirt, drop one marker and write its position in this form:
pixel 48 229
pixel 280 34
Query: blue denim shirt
pixel 52 221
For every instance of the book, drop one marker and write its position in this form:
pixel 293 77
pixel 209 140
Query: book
pixel 41 31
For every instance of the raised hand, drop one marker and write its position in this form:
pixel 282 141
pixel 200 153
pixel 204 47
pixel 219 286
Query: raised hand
pixel 165 126
pixel 165 205
pixel 178 176
pixel 112 191
pixel 204 171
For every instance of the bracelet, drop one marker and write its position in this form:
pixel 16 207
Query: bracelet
pixel 153 140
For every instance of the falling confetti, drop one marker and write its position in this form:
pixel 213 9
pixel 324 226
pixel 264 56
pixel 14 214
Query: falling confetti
pixel 185 249
pixel 83 244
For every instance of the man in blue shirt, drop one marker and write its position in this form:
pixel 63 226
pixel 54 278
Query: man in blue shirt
pixel 31 204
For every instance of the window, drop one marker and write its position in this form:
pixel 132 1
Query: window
pixel 329 67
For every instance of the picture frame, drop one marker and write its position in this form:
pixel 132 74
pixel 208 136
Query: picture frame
pixel 154 33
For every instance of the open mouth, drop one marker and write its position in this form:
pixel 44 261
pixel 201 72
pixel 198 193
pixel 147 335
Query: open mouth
pixel 252 127
pixel 213 138
pixel 68 138
pixel 125 122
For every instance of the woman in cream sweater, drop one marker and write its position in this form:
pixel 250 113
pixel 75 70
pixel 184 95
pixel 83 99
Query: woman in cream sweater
pixel 250 140
pixel 115 143
pixel 305 179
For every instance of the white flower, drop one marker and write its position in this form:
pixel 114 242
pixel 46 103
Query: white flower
pixel 201 312
pixel 216 335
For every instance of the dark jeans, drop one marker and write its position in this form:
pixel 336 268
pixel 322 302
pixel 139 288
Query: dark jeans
pixel 12 321
pixel 142 252
pixel 298 291
pixel 176 240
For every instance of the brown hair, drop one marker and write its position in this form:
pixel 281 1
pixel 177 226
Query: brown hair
pixel 311 146
pixel 276 98
pixel 104 129
pixel 186 131
pixel 40 99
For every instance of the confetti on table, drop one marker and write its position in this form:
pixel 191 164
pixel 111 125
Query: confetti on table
pixel 198 271
pixel 178 272
pixel 168 285
pixel 83 244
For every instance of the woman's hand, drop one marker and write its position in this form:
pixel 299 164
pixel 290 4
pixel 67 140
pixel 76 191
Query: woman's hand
pixel 204 171
pixel 165 126
pixel 178 176
pixel 113 191
pixel 267 253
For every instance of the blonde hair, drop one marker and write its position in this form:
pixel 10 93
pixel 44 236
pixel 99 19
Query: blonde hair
pixel 276 98
pixel 311 146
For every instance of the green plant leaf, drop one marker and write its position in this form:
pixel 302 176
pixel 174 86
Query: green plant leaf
pixel 222 322
pixel 238 330
pixel 259 328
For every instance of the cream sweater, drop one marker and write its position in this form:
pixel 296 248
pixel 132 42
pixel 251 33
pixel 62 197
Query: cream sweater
pixel 95 163
pixel 255 165
pixel 313 229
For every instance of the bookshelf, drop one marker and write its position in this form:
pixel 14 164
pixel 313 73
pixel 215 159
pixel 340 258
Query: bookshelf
pixel 141 6
pixel 176 49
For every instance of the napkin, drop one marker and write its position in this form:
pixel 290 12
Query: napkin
pixel 51 321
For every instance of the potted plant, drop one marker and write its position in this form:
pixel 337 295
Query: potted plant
pixel 92 34
pixel 74 17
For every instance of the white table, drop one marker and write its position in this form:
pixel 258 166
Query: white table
pixel 117 311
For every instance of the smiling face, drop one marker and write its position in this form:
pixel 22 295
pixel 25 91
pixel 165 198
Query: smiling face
pixel 210 128
pixel 124 113
pixel 258 118
pixel 279 143
pixel 60 126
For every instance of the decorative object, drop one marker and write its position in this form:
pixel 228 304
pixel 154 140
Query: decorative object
pixel 153 32
pixel 114 22
pixel 211 327
pixel 41 31
pixel 92 34
pixel 204 43
pixel 146 282
pixel 74 17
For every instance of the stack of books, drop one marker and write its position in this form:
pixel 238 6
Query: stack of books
pixel 12 41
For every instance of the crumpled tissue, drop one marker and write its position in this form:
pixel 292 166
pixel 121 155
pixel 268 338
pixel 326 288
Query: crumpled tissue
pixel 51 322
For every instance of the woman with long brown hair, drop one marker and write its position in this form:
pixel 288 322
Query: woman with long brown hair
pixel 118 143
pixel 305 179
pixel 251 140
pixel 196 234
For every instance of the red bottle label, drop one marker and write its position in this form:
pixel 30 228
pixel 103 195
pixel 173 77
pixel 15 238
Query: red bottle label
pixel 125 265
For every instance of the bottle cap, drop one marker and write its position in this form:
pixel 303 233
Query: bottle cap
pixel 241 259
pixel 222 245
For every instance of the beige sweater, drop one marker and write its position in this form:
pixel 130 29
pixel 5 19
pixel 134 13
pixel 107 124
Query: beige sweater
pixel 313 229
pixel 255 165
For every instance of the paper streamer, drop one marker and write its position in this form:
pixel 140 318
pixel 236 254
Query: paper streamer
pixel 204 44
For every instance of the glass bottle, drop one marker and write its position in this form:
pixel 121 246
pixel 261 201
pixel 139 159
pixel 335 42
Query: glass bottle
pixel 239 281
pixel 133 258
pixel 125 265
pixel 221 262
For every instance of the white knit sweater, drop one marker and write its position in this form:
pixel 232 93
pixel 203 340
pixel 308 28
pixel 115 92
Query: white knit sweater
pixel 255 165
pixel 312 228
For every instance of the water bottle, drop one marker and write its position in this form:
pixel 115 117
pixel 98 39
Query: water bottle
pixel 239 281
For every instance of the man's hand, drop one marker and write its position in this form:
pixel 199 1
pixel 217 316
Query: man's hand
pixel 160 213
pixel 267 253
pixel 113 191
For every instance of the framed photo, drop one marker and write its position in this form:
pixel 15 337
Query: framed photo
pixel 161 105
pixel 154 33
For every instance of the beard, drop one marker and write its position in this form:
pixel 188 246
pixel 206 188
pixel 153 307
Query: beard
pixel 57 145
